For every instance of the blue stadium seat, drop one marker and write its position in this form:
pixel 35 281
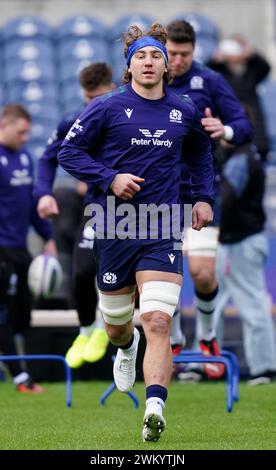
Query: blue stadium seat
pixel 118 51
pixel 73 106
pixel 40 131
pixel 204 48
pixel 26 27
pixel 31 49
pixel 71 69
pixel 44 112
pixel 36 149
pixel 119 62
pixel 81 27
pixel 71 91
pixel 31 91
pixel 121 26
pixel 91 49
pixel 203 25
pixel 27 71
pixel 118 71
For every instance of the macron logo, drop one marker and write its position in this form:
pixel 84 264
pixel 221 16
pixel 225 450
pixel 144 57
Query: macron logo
pixel 171 258
pixel 128 112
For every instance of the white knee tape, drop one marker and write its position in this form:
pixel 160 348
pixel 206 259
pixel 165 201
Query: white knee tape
pixel 116 309
pixel 159 295
pixel 201 243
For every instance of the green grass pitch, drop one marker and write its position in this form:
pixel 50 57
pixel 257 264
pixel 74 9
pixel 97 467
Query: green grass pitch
pixel 196 419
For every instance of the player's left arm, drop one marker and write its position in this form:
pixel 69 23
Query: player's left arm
pixel 230 121
pixel 198 157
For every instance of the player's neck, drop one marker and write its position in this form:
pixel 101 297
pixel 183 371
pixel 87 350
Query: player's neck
pixel 153 93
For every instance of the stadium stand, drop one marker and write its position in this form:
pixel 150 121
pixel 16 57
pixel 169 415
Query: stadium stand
pixel 29 75
pixel 40 64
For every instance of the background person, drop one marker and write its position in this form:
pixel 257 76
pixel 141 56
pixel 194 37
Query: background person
pixel 91 343
pixel 18 212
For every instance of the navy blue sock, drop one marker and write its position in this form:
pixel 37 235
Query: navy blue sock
pixel 156 391
pixel 129 344
pixel 207 297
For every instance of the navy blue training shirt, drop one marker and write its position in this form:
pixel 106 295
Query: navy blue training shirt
pixel 208 88
pixel 18 205
pixel 123 132
pixel 48 163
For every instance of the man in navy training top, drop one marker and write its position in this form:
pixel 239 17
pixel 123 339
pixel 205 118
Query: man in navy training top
pixel 222 117
pixel 18 212
pixel 92 341
pixel 129 145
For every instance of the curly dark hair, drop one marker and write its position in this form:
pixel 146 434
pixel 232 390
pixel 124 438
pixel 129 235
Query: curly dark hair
pixel 94 75
pixel 157 31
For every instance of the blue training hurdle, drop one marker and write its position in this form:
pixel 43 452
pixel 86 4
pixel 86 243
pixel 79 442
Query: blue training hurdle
pixel 232 370
pixel 47 357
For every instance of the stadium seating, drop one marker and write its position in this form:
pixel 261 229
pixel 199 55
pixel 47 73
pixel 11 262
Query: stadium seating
pixel 30 70
pixel 30 49
pixel 80 49
pixel 41 64
pixel 116 31
pixel 33 91
pixel 26 27
pixel 202 25
pixel 36 149
pixel 81 27
pixel 70 70
pixel 205 48
pixel 73 106
pixel 29 75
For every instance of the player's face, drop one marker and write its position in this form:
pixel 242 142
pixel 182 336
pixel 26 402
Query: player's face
pixel 147 67
pixel 15 132
pixel 180 57
pixel 100 90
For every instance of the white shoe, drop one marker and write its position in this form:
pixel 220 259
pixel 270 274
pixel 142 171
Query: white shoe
pixel 124 370
pixel 154 423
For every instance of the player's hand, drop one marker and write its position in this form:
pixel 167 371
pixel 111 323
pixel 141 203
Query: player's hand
pixel 126 185
pixel 50 248
pixel 47 207
pixel 212 125
pixel 202 215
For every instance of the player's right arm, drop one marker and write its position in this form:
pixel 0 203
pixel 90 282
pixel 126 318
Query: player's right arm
pixel 46 172
pixel 76 154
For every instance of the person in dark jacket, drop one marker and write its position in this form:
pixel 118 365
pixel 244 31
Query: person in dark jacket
pixel 244 69
pixel 241 256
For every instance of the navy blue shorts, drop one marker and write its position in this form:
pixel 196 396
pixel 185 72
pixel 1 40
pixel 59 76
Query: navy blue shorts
pixel 119 260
